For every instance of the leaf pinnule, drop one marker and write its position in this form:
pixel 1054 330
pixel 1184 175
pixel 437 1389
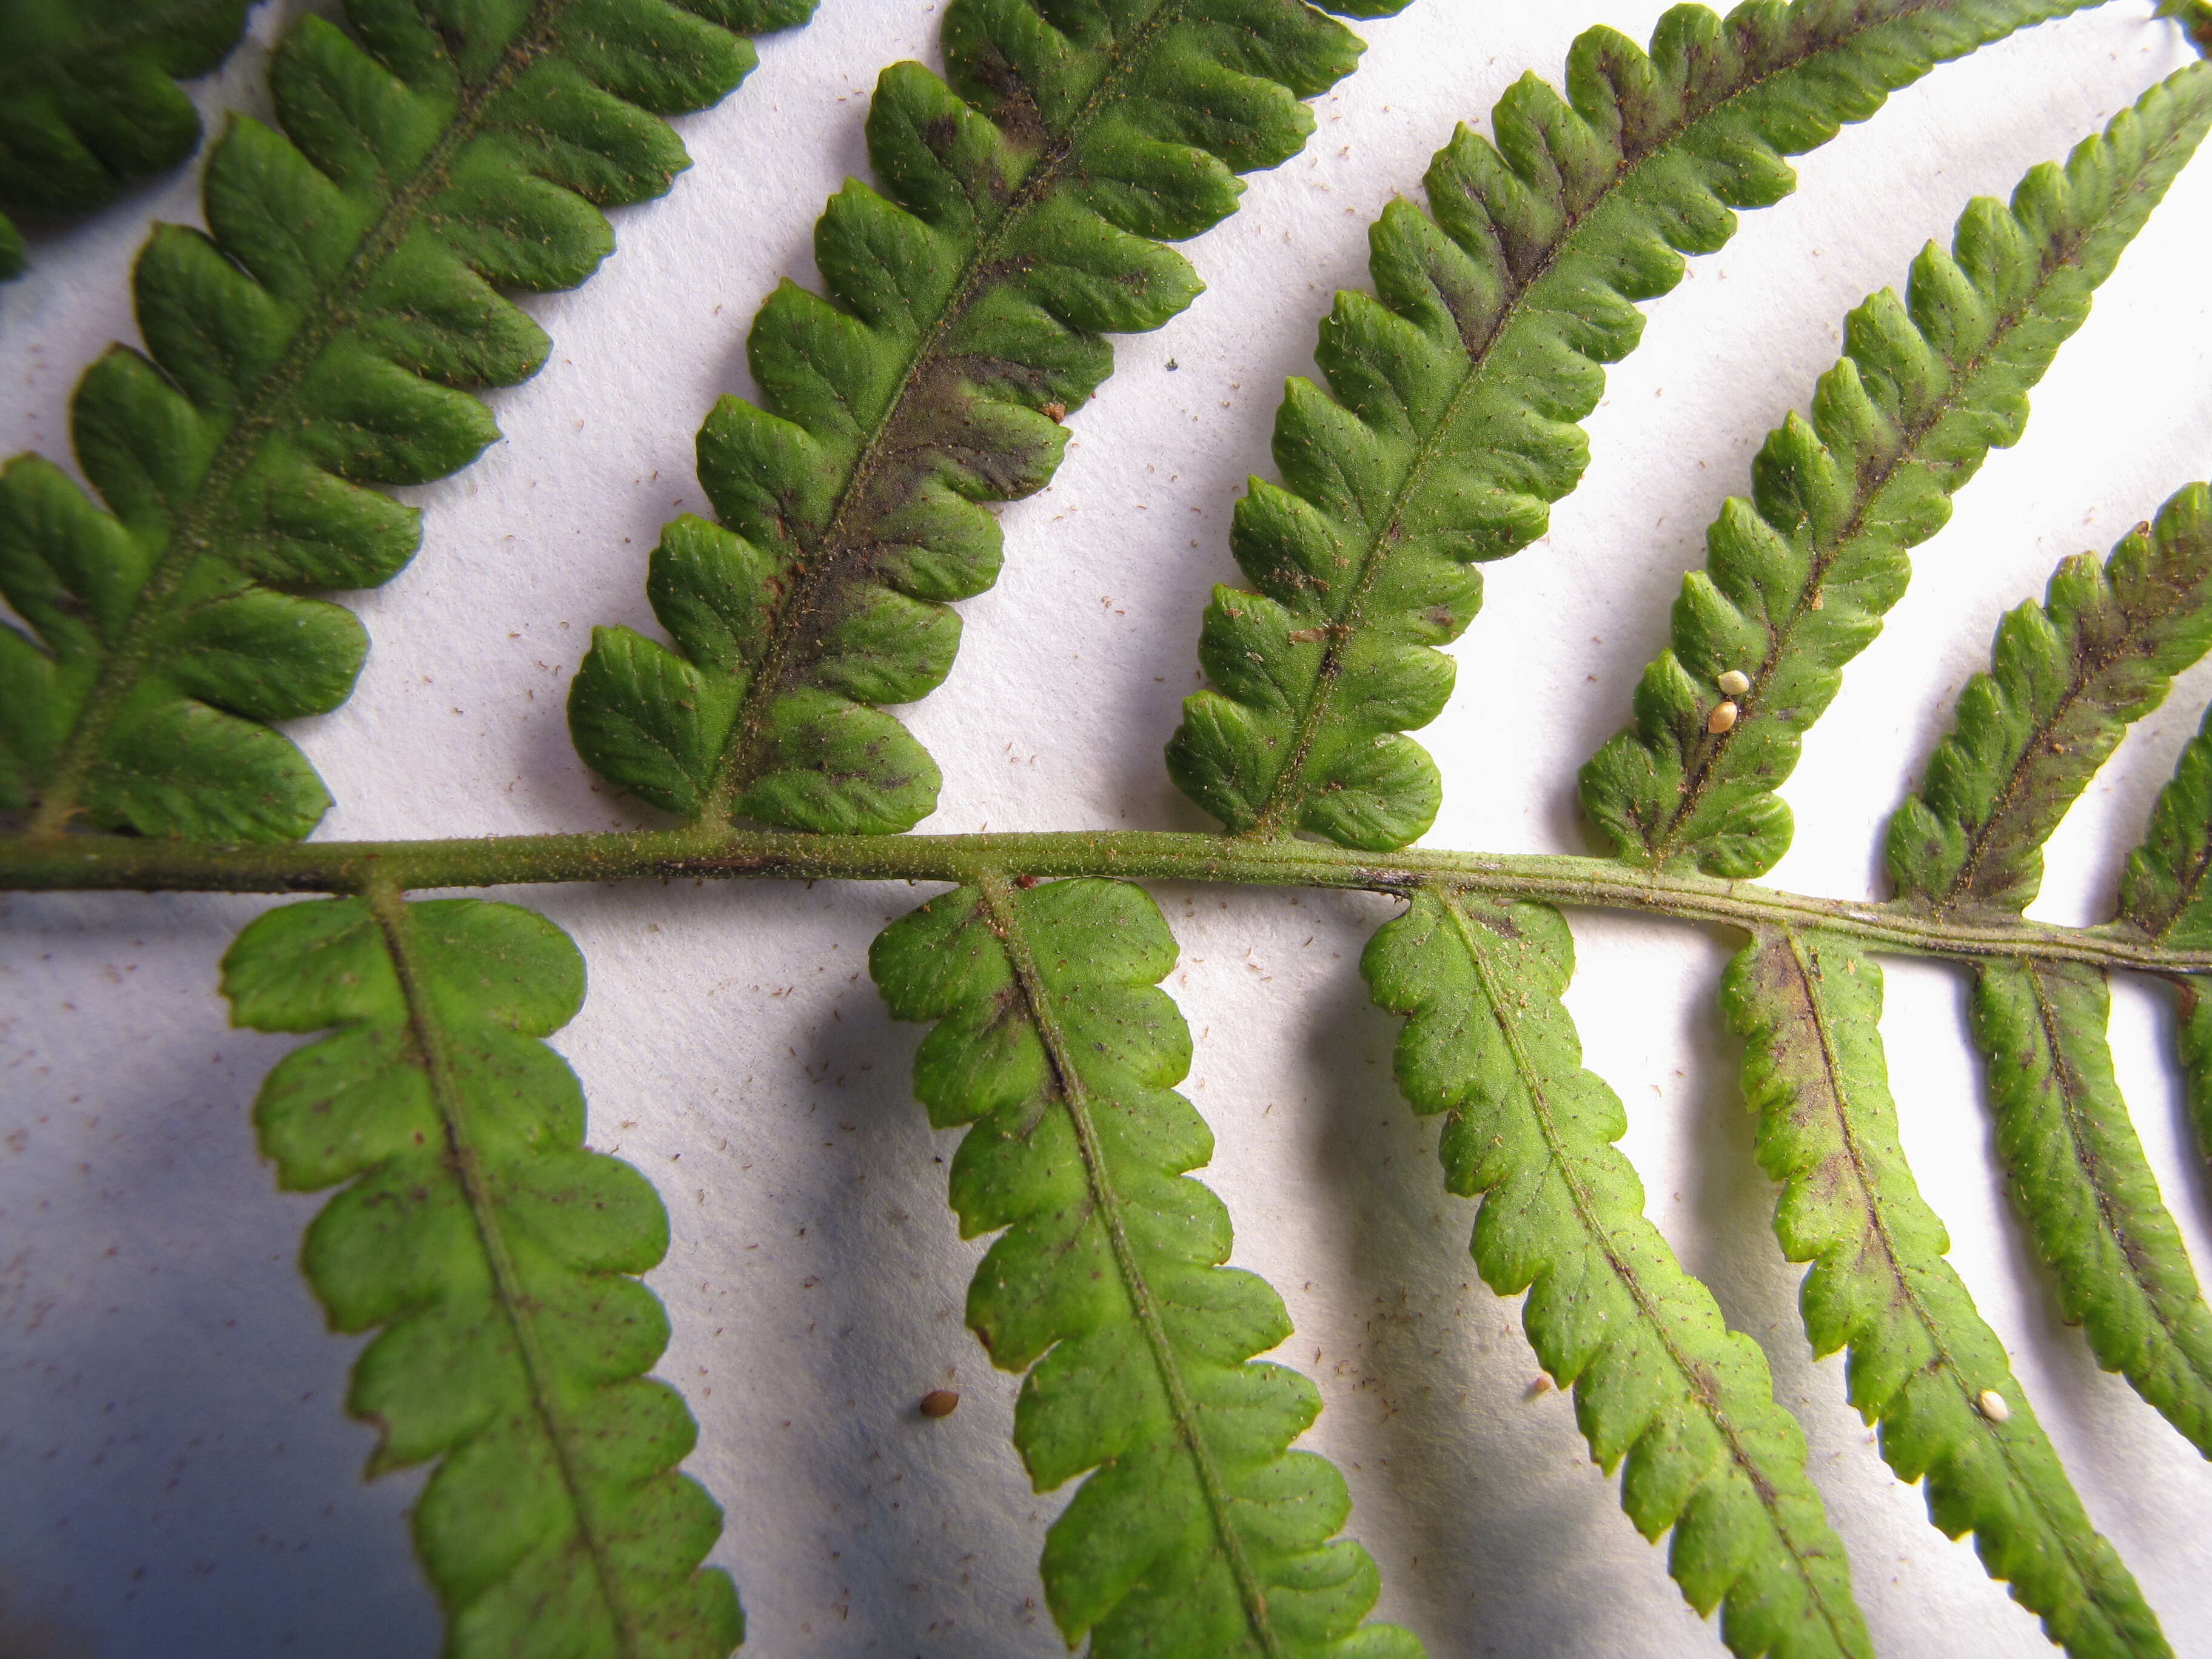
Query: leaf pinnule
pixel 495 1258
pixel 2069 677
pixel 2085 1189
pixel 1196 1530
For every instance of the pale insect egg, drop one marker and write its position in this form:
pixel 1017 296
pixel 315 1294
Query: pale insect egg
pixel 1722 718
pixel 1992 1405
pixel 1735 683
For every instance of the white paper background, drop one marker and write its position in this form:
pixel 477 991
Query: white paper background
pixel 178 1476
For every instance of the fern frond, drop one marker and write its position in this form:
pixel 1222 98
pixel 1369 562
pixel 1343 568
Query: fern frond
pixel 1658 1378
pixel 1450 423
pixel 1799 577
pixel 1197 1530
pixel 967 310
pixel 1921 1360
pixel 89 102
pixel 2085 1189
pixel 2068 677
pixel 322 339
pixel 498 1258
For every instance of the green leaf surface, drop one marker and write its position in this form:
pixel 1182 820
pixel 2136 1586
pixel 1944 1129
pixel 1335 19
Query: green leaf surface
pixel 89 103
pixel 1016 222
pixel 2067 678
pixel 1799 577
pixel 1659 1380
pixel 322 337
pixel 2194 1039
pixel 1197 1530
pixel 2163 891
pixel 2163 894
pixel 2084 1188
pixel 496 1259
pixel 1451 421
pixel 1922 1360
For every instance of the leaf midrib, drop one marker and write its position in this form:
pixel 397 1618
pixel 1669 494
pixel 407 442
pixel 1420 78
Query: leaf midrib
pixel 1586 1213
pixel 1877 1223
pixel 190 531
pixel 998 911
pixel 1669 844
pixel 808 593
pixel 395 920
pixel 1286 795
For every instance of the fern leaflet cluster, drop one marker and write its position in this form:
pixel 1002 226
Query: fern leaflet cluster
pixel 2068 677
pixel 1458 387
pixel 1922 1364
pixel 1799 577
pixel 1303 732
pixel 322 337
pixel 968 307
pixel 1659 1380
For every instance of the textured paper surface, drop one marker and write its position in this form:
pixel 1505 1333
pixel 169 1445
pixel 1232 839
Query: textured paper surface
pixel 180 1478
